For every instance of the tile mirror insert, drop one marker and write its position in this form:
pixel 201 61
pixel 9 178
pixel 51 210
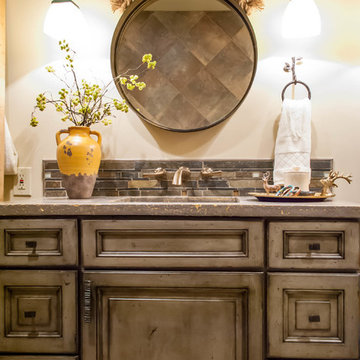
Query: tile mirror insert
pixel 206 60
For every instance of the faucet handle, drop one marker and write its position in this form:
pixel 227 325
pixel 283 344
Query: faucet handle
pixel 158 173
pixel 209 172
pixel 186 171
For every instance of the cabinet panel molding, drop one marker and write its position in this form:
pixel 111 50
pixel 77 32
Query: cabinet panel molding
pixel 314 316
pixel 33 311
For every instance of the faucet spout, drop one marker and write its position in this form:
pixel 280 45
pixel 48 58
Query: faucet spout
pixel 180 174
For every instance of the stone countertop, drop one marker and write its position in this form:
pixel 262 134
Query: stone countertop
pixel 244 207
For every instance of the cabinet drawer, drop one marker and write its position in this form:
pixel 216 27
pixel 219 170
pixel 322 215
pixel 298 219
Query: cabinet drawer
pixel 316 245
pixel 38 311
pixel 38 242
pixel 313 316
pixel 173 243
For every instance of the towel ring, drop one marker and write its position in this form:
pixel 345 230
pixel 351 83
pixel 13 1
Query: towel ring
pixel 295 82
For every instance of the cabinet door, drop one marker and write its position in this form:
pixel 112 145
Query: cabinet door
pixel 172 315
pixel 313 316
pixel 38 311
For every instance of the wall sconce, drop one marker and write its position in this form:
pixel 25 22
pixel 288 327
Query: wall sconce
pixel 301 19
pixel 64 20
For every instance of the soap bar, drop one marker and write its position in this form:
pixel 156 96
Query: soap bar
pixel 297 178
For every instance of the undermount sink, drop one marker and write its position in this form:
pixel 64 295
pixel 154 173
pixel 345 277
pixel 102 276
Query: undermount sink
pixel 178 199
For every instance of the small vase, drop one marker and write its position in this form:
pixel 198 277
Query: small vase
pixel 78 157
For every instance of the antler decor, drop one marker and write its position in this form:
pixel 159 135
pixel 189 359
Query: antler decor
pixel 329 182
pixel 269 188
pixel 247 5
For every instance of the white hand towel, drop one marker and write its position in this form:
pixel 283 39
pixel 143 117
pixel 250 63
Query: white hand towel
pixel 293 141
pixel 11 155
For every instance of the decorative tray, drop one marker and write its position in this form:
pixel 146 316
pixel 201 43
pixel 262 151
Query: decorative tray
pixel 273 197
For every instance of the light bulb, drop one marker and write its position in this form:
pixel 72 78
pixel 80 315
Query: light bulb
pixel 64 21
pixel 301 19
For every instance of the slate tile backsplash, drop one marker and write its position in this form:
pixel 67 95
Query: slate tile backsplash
pixel 125 177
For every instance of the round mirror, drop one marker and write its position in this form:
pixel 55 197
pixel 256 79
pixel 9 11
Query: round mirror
pixel 206 60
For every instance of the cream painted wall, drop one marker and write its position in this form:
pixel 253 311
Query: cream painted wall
pixel 331 68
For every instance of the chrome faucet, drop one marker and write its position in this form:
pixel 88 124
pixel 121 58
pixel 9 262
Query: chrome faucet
pixel 180 174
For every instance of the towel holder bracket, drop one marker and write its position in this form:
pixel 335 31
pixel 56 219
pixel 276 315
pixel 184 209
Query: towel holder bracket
pixel 294 61
pixel 287 68
pixel 295 82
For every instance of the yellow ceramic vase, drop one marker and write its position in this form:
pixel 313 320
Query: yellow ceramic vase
pixel 78 157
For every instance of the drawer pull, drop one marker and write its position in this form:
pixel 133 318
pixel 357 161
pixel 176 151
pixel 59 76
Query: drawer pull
pixel 31 244
pixel 29 314
pixel 314 246
pixel 314 318
pixel 87 301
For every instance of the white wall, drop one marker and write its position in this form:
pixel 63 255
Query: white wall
pixel 331 68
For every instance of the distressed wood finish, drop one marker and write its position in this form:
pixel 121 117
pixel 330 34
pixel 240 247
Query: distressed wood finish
pixel 173 243
pixel 168 315
pixel 40 311
pixel 163 313
pixel 314 245
pixel 2 92
pixel 313 316
pixel 38 242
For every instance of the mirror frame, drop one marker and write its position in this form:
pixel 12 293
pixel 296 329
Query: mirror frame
pixel 126 18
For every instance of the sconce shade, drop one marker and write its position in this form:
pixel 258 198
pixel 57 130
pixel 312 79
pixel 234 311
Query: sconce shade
pixel 301 19
pixel 64 20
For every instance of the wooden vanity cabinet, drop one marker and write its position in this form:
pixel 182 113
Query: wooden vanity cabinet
pixel 179 289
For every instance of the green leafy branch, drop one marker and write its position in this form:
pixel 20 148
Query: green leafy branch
pixel 83 103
